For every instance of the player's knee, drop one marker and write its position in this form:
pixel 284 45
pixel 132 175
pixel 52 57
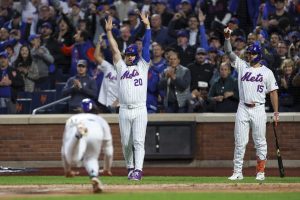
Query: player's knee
pixel 108 149
pixel 138 144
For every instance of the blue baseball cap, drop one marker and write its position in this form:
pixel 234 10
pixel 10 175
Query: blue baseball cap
pixel 240 38
pixel 46 25
pixel 3 54
pixel 82 62
pixel 32 37
pixel 131 50
pixel 182 33
pixel 186 1
pixel 295 35
pixel 86 105
pixel 215 50
pixel 201 51
pixel 100 8
pixel 212 49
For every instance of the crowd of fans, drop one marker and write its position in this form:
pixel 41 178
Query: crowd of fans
pixel 43 42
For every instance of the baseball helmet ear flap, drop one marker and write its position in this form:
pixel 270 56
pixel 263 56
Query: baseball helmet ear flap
pixel 133 50
pixel 87 105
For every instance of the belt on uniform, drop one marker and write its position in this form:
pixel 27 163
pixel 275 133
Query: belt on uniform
pixel 252 105
pixel 131 106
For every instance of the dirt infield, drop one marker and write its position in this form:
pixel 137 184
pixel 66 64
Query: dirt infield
pixel 71 189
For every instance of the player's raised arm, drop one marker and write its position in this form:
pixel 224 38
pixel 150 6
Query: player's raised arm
pixel 227 45
pixel 147 37
pixel 113 44
pixel 97 53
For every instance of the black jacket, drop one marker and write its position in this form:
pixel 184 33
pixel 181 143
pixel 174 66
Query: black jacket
pixel 16 78
pixel 200 72
pixel 88 90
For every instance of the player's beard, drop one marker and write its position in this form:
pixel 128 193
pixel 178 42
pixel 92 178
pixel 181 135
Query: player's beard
pixel 252 60
pixel 129 61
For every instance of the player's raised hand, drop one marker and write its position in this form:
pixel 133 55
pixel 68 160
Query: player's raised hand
pixel 227 32
pixel 201 16
pixel 108 23
pixel 145 19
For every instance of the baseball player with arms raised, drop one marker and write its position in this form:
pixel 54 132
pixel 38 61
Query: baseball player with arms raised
pixel 132 74
pixel 255 81
pixel 84 136
pixel 109 87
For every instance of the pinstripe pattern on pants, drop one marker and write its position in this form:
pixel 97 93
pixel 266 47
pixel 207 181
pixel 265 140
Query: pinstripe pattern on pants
pixel 133 124
pixel 246 118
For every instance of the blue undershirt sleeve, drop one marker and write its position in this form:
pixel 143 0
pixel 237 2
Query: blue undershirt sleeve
pixel 146 45
pixel 203 39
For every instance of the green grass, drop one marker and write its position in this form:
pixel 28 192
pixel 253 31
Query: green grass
pixel 121 180
pixel 175 196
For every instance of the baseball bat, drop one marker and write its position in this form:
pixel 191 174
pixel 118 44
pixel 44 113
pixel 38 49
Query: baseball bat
pixel 279 158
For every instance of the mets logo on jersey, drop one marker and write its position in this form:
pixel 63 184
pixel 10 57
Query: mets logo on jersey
pixel 130 75
pixel 248 77
pixel 110 76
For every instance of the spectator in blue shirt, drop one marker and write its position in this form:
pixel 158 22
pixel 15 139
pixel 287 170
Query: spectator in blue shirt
pixel 11 82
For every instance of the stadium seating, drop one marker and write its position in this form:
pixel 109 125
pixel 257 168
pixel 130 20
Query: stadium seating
pixel 42 98
pixel 23 105
pixel 59 86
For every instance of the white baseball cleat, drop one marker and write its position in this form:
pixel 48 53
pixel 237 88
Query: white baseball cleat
pixel 236 176
pixel 97 185
pixel 260 176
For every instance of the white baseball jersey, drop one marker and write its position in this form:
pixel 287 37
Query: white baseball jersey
pixel 133 81
pixel 254 83
pixel 85 150
pixel 109 88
